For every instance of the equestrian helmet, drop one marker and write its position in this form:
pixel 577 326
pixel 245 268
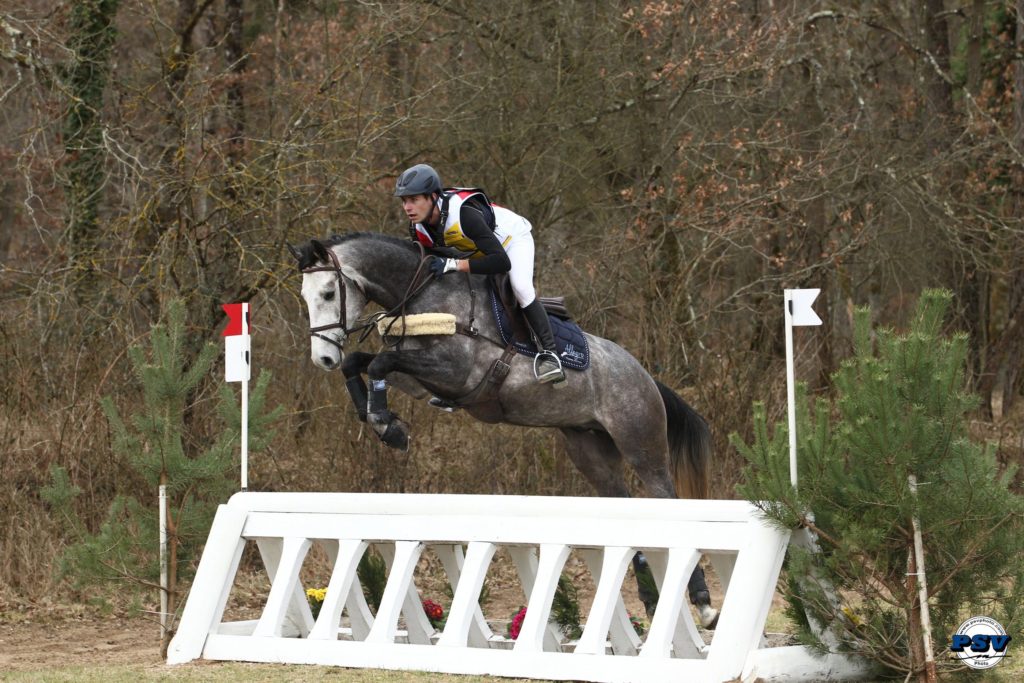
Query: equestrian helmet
pixel 420 179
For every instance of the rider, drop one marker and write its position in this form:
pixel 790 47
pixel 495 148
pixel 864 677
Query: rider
pixel 491 240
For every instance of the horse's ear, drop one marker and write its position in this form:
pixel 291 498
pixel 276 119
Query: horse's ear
pixel 294 251
pixel 320 251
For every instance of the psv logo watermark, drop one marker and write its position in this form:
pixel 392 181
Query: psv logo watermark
pixel 980 642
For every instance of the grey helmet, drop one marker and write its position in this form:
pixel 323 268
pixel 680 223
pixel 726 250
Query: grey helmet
pixel 420 179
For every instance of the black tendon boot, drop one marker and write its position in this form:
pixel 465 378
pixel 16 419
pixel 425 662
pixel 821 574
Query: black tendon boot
pixel 547 366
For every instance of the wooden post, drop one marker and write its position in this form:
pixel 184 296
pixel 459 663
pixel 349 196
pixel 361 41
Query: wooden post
pixel 164 640
pixel 922 591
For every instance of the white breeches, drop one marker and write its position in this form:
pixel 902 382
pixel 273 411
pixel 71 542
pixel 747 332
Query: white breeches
pixel 520 253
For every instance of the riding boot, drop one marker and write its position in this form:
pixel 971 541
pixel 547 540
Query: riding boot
pixel 548 366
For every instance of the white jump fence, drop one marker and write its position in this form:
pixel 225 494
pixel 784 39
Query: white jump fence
pixel 464 532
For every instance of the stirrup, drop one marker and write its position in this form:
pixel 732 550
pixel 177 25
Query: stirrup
pixel 556 376
pixel 441 404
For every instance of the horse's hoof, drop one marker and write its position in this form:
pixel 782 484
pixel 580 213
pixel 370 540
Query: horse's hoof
pixel 708 615
pixel 396 435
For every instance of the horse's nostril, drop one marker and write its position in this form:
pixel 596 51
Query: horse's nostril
pixel 327 361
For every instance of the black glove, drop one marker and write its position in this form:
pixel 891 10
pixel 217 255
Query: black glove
pixel 439 266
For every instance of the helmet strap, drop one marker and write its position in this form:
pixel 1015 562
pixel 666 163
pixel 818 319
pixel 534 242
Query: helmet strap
pixel 435 198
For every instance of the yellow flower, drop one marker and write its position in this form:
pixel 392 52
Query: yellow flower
pixel 853 616
pixel 317 594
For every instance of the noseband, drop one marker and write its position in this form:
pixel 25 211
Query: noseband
pixel 342 324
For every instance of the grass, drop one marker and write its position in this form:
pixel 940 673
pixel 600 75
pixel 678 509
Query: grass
pixel 1008 672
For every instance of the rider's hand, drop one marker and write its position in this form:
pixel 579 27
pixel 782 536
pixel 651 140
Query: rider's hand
pixel 439 266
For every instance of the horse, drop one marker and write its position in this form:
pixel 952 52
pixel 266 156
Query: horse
pixel 612 413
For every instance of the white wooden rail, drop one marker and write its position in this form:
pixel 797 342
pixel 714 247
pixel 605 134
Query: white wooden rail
pixel 464 532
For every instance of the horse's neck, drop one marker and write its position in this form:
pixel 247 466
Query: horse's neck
pixel 387 268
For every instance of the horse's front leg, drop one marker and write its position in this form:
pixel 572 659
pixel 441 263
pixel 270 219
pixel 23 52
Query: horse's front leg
pixel 353 367
pixel 388 426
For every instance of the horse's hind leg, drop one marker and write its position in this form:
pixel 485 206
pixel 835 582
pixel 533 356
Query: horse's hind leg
pixel 643 442
pixel 641 436
pixel 597 458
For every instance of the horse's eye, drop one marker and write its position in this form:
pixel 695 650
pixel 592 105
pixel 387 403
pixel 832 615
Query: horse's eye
pixel 329 296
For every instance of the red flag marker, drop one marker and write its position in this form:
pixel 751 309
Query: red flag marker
pixel 236 317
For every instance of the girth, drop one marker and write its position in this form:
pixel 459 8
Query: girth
pixel 483 398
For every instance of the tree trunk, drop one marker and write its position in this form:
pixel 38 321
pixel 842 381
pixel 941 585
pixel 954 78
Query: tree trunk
pixel 939 90
pixel 85 78
pixel 235 58
pixel 1018 81
pixel 1015 378
pixel 999 381
pixel 975 35
pixel 815 233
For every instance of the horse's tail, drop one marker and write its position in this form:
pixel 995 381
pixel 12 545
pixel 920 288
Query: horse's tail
pixel 689 445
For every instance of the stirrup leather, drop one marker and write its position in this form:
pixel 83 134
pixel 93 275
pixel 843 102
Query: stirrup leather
pixel 556 375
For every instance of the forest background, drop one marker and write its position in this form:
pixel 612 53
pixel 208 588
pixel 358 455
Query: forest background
pixel 681 163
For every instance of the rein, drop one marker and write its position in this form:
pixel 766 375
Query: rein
pixel 411 291
pixel 484 392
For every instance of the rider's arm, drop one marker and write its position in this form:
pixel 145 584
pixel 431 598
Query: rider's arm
pixel 474 226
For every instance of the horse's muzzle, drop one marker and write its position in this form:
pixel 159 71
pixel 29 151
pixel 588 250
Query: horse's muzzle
pixel 328 361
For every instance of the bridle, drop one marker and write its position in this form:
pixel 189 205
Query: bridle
pixel 414 288
pixel 342 324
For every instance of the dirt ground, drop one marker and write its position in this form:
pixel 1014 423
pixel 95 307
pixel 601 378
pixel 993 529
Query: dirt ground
pixel 38 642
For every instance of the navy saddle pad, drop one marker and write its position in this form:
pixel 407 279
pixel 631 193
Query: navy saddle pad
pixel 570 341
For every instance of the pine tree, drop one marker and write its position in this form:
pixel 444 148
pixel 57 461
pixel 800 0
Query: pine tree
pixel 900 411
pixel 125 550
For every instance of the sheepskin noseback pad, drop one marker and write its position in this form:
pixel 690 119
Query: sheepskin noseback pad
pixel 416 324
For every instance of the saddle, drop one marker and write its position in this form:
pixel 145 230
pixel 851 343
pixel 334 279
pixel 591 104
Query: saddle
pixel 569 338
pixel 501 285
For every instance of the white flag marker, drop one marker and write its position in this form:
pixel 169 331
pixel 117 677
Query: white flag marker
pixel 238 368
pixel 798 314
pixel 799 305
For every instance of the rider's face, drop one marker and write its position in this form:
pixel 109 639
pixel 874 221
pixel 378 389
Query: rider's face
pixel 419 207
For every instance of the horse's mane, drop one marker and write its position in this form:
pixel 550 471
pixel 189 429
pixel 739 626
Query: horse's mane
pixel 307 252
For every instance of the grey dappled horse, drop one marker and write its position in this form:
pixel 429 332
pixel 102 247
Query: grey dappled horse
pixel 611 413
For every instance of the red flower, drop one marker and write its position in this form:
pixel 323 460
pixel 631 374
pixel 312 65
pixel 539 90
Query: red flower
pixel 433 610
pixel 517 624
